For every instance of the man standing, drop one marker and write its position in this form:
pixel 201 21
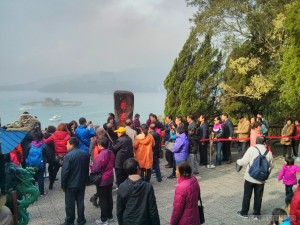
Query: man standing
pixel 136 203
pixel 129 131
pixel 156 148
pixel 168 121
pixel 191 122
pixel 251 183
pixel 202 133
pixel 74 174
pixel 84 133
pixel 228 133
pixel 123 150
pixel 243 130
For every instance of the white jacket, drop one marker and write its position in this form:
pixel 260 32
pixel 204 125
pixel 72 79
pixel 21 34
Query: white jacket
pixel 248 158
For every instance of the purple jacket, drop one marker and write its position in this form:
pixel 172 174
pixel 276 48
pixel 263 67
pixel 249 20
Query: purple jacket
pixel 185 206
pixel 288 173
pixel 104 161
pixel 181 146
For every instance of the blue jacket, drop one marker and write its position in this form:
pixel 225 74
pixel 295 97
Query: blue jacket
pixel 84 134
pixel 181 148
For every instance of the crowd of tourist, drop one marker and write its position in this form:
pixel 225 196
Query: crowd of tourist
pixel 127 155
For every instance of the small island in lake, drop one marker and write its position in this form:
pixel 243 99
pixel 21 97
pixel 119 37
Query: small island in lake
pixel 49 102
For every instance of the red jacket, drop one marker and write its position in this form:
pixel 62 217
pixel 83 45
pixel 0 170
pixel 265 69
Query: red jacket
pixel 60 139
pixel 295 208
pixel 297 132
pixel 185 206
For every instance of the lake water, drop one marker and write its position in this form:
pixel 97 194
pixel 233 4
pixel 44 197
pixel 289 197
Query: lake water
pixel 94 107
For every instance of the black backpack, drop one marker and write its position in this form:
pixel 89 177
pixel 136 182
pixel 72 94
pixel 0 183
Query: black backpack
pixel 260 169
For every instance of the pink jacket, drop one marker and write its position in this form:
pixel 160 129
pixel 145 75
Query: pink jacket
pixel 104 161
pixel 288 173
pixel 185 206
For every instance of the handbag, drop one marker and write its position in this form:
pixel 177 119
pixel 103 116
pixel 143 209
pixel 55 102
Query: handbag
pixel 201 211
pixel 96 178
pixel 169 145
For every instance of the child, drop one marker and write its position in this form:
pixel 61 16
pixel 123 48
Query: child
pixel 279 217
pixel 288 173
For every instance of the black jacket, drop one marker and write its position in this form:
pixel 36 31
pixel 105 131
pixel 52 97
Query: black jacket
pixel 136 204
pixel 157 140
pixel 193 144
pixel 123 150
pixel 228 129
pixel 49 150
pixel 203 133
pixel 75 169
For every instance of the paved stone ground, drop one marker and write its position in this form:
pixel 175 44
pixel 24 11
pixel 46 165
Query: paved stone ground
pixel 221 191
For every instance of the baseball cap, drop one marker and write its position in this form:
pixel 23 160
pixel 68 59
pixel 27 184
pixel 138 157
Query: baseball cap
pixel 120 130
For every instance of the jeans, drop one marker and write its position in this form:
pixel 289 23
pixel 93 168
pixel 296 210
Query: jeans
pixel 203 153
pixel 105 201
pixel 219 146
pixel 72 196
pixel 121 176
pixel 155 166
pixel 258 194
pixel 39 177
pixel 193 163
pixel 295 147
pixel 288 189
pixel 242 148
pixel 146 174
pixel 226 151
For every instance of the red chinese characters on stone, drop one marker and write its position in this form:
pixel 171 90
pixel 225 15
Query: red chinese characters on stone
pixel 123 105
pixel 123 117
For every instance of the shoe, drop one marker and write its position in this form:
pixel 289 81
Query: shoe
pixel 51 186
pixel 241 215
pixel 99 222
pixel 110 219
pixel 45 193
pixel 171 176
pixel 93 200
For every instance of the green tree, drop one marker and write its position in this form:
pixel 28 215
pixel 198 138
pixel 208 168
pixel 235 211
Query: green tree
pixel 198 92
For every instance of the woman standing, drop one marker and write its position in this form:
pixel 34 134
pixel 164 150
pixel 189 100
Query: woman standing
pixel 218 132
pixel 60 138
pixel 187 193
pixel 296 141
pixel 287 131
pixel 104 162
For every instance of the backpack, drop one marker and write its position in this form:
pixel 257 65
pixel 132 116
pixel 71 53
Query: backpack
pixel 35 157
pixel 259 170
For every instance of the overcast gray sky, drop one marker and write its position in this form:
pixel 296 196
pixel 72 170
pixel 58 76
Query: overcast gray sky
pixel 42 38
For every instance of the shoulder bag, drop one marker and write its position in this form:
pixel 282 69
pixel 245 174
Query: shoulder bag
pixel 201 211
pixel 96 178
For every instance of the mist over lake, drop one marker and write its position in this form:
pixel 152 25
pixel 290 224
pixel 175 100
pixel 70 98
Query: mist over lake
pixel 94 107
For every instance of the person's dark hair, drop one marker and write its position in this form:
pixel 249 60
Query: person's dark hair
pixel 145 128
pixel 131 166
pixel 276 213
pixel 289 160
pixel 185 169
pixel 218 118
pixel 179 117
pixel 256 124
pixel 51 129
pixel 109 118
pixel 37 135
pixel 170 117
pixel 128 122
pixel 152 126
pixel 180 129
pixel 296 120
pixel 73 122
pixel 82 121
pixel 154 116
pixel 150 114
pixel 261 140
pixel 225 114
pixel 104 142
pixel 288 199
pixel 259 113
pixel 111 115
pixel 203 116
pixel 191 117
pixel 137 115
pixel 74 141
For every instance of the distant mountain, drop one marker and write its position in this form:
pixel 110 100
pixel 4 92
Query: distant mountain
pixel 136 80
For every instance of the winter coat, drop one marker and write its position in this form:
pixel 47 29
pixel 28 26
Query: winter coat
pixel 143 146
pixel 297 133
pixel 75 169
pixel 253 135
pixel 60 139
pixel 295 207
pixel 288 173
pixel 249 157
pixel 287 131
pixel 84 134
pixel 16 155
pixel 228 129
pixel 104 162
pixel 157 140
pixel 218 130
pixel 131 133
pixel 136 203
pixel 193 144
pixel 49 149
pixel 123 150
pixel 202 131
pixel 181 146
pixel 185 205
pixel 243 130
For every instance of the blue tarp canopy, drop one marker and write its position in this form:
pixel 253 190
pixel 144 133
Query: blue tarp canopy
pixel 10 139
